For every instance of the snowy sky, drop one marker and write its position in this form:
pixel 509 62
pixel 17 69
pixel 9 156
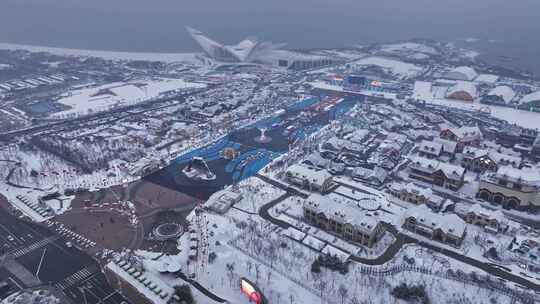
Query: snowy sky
pixel 142 25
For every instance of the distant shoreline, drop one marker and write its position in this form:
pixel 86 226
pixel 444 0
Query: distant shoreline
pixel 109 55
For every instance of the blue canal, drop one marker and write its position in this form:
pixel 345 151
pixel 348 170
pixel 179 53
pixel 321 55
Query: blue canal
pixel 283 130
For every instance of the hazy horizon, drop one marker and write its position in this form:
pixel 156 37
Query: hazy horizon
pixel 140 26
pixel 135 25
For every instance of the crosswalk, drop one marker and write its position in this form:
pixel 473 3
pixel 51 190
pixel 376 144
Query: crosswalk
pixel 75 278
pixel 34 246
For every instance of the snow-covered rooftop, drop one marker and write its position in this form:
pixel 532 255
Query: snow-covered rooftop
pixel 462 73
pixel 448 223
pixel 505 92
pixel 463 86
pixel 487 78
pixel 422 90
pixel 430 166
pixel 526 175
pixel 535 96
pixel 398 68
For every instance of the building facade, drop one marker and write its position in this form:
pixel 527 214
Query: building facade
pixel 445 228
pixel 310 178
pixel 347 222
pixel 437 173
pixel 512 188
pixel 415 194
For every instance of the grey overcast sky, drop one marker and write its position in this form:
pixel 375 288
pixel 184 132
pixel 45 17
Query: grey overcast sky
pixel 158 25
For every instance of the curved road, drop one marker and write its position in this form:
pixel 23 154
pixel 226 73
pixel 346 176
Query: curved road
pixel 401 239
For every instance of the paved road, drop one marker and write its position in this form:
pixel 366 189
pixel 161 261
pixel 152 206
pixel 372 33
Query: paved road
pixel 36 251
pixel 282 186
pixel 67 124
pixel 201 288
pixel 401 240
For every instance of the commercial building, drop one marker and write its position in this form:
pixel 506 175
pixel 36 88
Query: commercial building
pixel 253 51
pixel 501 95
pixel 462 90
pixel 461 73
pixel 532 99
pixel 348 222
pixel 512 188
pixel 445 228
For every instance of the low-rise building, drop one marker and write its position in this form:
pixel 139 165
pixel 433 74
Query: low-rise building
pixel 502 95
pixel 449 148
pixel 464 136
pixel 310 178
pixel 445 228
pixel 463 90
pixel 481 216
pixel 348 222
pixel 415 194
pixel 437 173
pixel 463 73
pixel 430 149
pixel 223 200
pixel 512 188
pixel 481 160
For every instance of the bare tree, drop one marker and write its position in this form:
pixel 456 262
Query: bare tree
pixel 230 272
pixel 343 292
pixel 257 272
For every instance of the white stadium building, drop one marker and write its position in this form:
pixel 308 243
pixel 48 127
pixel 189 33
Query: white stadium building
pixel 252 51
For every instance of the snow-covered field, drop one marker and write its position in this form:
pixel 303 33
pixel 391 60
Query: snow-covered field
pixel 522 118
pixel 397 68
pixel 408 47
pixel 86 101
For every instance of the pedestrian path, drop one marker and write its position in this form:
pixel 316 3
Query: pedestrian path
pixel 17 253
pixel 76 278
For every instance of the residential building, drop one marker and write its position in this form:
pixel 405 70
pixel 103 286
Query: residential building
pixel 464 136
pixel 436 173
pixel 449 148
pixel 344 220
pixel 476 214
pixel 430 149
pixel 412 193
pixel 445 228
pixel 310 178
pixel 481 160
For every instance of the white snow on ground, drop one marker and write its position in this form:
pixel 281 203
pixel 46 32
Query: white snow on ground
pixel 101 98
pixel 140 287
pixel 514 116
pixel 398 68
pixel 331 87
pixel 408 47
pixel 255 193
pixel 109 55
pixel 36 174
pixel 422 90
